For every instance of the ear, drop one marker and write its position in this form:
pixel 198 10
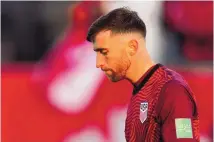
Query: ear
pixel 132 47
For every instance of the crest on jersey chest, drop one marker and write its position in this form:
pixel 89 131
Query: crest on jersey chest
pixel 143 111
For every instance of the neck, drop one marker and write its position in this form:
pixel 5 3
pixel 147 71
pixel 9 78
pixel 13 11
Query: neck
pixel 138 68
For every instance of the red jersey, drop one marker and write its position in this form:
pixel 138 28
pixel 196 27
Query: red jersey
pixel 162 108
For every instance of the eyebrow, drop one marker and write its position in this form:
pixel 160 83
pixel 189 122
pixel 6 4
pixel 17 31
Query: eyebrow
pixel 99 49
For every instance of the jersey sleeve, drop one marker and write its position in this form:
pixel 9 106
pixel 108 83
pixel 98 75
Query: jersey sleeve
pixel 178 114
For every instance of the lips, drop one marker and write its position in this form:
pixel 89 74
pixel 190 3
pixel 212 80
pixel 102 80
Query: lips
pixel 108 72
pixel 104 70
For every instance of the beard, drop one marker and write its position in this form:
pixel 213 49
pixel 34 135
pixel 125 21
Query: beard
pixel 121 67
pixel 114 76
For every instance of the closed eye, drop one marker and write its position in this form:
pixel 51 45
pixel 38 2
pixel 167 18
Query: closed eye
pixel 104 52
pixel 101 50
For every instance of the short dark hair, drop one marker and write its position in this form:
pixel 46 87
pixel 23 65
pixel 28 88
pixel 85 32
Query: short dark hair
pixel 120 20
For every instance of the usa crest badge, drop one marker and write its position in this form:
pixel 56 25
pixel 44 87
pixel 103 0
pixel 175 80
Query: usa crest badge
pixel 143 111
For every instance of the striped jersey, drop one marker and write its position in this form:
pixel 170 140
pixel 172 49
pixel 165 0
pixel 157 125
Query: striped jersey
pixel 162 108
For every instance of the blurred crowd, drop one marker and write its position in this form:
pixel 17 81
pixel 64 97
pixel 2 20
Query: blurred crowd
pixel 184 29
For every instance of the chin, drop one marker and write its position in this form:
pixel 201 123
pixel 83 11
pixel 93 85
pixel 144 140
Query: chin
pixel 115 79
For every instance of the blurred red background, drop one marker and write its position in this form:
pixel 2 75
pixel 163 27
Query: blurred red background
pixel 39 103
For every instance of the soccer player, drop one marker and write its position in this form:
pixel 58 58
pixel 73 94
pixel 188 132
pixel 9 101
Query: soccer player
pixel 162 107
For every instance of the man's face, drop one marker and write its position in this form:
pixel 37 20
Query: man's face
pixel 111 55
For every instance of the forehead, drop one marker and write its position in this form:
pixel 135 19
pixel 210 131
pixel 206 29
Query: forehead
pixel 107 39
pixel 102 38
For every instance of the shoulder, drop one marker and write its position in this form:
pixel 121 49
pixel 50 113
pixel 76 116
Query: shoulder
pixel 175 87
pixel 175 95
pixel 175 90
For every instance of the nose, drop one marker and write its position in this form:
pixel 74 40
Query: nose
pixel 99 61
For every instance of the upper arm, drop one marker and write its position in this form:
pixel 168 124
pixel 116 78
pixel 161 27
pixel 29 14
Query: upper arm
pixel 177 113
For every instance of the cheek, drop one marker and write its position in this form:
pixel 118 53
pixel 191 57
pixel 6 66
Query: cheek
pixel 124 63
pixel 116 61
pixel 116 64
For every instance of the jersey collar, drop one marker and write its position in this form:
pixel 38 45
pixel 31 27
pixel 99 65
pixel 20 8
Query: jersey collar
pixel 146 76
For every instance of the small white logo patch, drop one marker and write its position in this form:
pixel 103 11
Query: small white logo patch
pixel 143 111
pixel 183 128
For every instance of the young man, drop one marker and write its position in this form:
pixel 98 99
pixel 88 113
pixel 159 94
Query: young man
pixel 162 107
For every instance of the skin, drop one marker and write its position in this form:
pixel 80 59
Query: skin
pixel 122 56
